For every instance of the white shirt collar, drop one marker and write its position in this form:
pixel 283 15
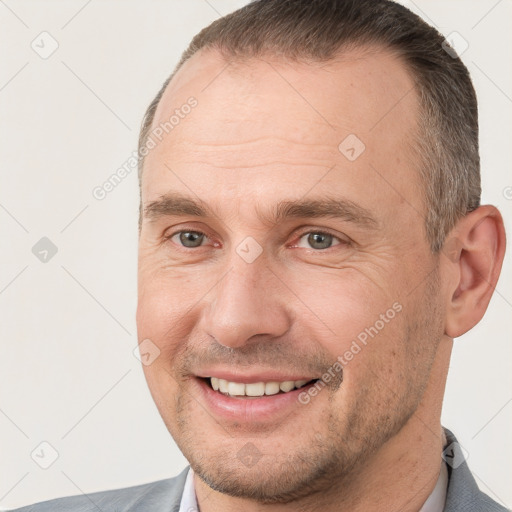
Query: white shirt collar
pixel 435 502
pixel 188 500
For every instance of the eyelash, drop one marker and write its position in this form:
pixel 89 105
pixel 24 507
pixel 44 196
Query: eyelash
pixel 299 235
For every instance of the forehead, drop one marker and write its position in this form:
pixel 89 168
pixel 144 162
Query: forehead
pixel 357 85
pixel 267 121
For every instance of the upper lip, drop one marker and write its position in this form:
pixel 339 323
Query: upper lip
pixel 252 377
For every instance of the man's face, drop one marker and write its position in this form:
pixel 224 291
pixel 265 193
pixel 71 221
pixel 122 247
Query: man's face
pixel 240 293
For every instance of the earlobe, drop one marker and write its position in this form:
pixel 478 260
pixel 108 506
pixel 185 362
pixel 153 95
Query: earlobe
pixel 474 252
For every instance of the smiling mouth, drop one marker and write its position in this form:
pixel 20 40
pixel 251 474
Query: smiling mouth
pixel 255 389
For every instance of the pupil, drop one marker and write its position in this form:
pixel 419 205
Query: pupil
pixel 190 238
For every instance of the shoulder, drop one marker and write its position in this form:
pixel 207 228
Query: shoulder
pixel 463 494
pixel 161 495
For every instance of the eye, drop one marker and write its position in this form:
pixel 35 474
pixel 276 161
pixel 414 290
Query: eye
pixel 318 240
pixel 190 239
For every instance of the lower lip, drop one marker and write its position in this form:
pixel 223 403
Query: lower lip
pixel 266 408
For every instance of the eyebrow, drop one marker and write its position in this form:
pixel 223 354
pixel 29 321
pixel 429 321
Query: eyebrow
pixel 178 205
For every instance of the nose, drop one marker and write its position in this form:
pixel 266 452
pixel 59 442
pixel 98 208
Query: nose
pixel 249 301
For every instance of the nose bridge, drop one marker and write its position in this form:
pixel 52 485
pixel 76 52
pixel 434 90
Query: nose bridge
pixel 244 303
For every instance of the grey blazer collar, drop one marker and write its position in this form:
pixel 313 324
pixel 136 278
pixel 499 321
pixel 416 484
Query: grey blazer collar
pixel 463 494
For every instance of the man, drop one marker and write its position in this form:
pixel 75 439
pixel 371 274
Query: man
pixel 311 241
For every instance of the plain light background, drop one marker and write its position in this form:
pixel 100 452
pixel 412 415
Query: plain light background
pixel 68 373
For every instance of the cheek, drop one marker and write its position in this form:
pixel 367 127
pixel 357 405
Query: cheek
pixel 347 303
pixel 360 325
pixel 166 299
pixel 164 391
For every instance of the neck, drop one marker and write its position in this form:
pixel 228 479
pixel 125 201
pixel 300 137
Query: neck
pixel 399 477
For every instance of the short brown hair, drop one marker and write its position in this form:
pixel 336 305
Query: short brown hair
pixel 318 30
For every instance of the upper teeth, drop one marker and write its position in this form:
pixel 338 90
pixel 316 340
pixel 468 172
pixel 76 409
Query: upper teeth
pixel 255 388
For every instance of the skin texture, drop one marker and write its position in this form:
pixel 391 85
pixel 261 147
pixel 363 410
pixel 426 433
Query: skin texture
pixel 267 130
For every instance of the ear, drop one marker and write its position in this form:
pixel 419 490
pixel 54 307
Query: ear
pixel 474 252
